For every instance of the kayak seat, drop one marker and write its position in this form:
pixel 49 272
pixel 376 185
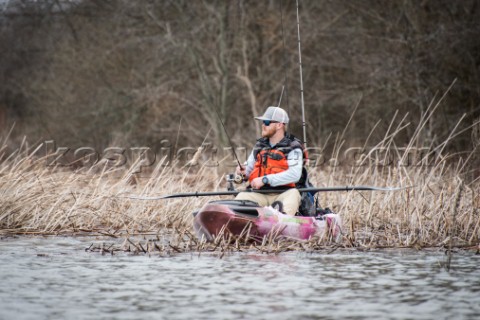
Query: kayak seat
pixel 245 210
pixel 239 203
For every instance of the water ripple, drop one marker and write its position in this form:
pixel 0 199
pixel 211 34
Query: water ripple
pixel 53 278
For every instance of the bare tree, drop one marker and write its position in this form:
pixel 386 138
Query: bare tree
pixel 100 72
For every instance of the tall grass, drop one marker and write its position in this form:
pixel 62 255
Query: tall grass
pixel 438 207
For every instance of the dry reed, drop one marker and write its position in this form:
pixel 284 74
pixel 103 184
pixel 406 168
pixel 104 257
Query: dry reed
pixel 438 208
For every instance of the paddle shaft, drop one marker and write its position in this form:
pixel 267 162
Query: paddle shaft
pixel 235 192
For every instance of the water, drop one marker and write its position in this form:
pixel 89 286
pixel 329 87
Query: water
pixel 54 278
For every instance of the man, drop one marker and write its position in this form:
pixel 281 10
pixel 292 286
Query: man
pixel 275 163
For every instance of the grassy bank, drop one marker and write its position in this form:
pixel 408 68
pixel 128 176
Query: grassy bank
pixel 439 208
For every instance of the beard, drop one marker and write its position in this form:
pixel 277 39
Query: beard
pixel 267 133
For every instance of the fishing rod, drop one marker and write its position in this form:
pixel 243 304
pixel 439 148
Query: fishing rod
pixel 238 178
pixel 235 192
pixel 281 95
pixel 285 60
pixel 301 81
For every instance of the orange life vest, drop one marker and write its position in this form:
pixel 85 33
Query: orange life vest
pixel 272 160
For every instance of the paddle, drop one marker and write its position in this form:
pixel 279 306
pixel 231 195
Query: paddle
pixel 235 192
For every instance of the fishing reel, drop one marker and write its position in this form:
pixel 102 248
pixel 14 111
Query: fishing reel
pixel 234 178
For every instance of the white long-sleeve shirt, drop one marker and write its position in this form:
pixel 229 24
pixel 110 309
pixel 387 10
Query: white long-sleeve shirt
pixel 291 175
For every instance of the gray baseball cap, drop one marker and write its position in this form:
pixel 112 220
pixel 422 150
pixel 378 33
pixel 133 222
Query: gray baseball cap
pixel 274 114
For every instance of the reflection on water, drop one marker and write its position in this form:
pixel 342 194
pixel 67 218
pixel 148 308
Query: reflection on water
pixel 54 278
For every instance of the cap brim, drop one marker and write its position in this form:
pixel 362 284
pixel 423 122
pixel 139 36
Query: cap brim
pixel 261 118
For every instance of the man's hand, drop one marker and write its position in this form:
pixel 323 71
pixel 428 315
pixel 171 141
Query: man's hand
pixel 257 183
pixel 240 170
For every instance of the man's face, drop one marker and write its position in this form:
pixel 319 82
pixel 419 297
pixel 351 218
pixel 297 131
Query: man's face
pixel 270 130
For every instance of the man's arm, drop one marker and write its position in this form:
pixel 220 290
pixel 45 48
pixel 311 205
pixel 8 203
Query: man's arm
pixel 247 166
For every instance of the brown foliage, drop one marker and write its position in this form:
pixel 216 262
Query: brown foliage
pixel 98 73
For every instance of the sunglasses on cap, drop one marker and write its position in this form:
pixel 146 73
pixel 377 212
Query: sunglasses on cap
pixel 267 122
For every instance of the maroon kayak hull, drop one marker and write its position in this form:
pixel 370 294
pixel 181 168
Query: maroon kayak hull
pixel 256 222
pixel 214 219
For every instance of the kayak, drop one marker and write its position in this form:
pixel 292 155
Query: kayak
pixel 241 218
